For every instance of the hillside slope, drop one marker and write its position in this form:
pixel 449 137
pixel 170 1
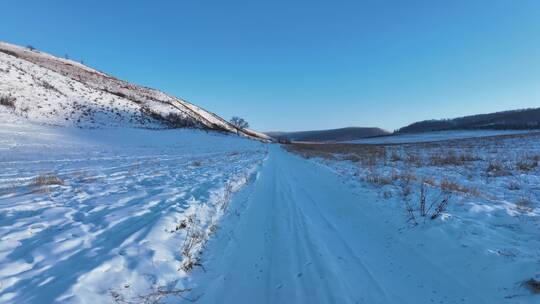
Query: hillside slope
pixel 516 119
pixel 56 91
pixel 342 134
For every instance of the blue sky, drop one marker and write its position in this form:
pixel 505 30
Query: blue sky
pixel 299 65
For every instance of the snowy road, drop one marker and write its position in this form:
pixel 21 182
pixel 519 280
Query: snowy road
pixel 300 235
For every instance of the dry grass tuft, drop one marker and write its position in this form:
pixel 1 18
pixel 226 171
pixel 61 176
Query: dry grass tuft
pixel 452 159
pixel 451 186
pixel 496 168
pixel 533 285
pixel 526 165
pixel 524 205
pixel 47 180
pixel 413 159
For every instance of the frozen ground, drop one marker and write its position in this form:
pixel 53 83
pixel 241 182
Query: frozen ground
pixel 110 215
pixel 435 136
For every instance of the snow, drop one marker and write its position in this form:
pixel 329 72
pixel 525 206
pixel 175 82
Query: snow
pixel 111 227
pixel 487 237
pixel 302 234
pixel 172 216
pixel 435 136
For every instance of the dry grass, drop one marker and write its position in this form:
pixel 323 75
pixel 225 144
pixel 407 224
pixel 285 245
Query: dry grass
pixel 367 155
pixel 194 238
pixel 451 158
pixel 394 156
pixel 47 180
pixel 378 179
pixel 413 159
pixel 533 285
pixel 496 168
pixel 526 165
pixel 524 205
pixel 451 186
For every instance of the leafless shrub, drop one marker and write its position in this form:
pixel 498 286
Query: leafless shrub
pixel 440 207
pixel 422 203
pixel 194 237
pixel 410 213
pixel 157 295
pixel 196 163
pixel 7 101
pixel 435 209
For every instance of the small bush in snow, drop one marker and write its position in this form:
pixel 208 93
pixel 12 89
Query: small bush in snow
pixel 176 120
pixel 7 101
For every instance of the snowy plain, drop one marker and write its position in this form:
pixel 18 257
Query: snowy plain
pixel 110 215
pixel 487 235
pixel 435 136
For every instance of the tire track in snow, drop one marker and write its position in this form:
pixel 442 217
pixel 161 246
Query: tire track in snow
pixel 303 237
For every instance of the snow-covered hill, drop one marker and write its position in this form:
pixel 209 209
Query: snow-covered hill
pixel 55 91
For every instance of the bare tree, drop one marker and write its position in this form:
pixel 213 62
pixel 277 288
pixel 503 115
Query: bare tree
pixel 239 123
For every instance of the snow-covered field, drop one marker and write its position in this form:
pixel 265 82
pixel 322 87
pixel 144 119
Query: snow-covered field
pixel 121 215
pixel 472 205
pixel 111 215
pixel 435 136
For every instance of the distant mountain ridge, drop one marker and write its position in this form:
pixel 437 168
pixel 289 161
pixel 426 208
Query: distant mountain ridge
pixel 56 91
pixel 342 134
pixel 506 120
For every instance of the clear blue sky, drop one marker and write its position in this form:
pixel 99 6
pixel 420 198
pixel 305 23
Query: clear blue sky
pixel 298 65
